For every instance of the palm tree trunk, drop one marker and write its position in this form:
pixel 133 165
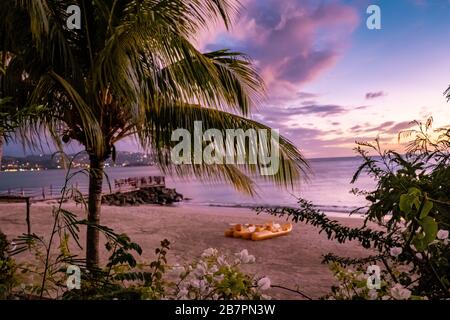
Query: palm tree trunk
pixel 94 208
pixel 1 150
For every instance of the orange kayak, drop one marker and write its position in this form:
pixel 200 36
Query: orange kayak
pixel 258 232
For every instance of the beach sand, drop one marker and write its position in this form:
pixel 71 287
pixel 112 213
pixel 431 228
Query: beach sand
pixel 290 261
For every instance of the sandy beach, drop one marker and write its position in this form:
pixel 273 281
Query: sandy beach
pixel 293 260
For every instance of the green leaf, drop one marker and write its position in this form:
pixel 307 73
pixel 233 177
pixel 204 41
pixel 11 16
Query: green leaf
pixel 414 192
pixel 419 243
pixel 426 209
pixel 430 227
pixel 405 203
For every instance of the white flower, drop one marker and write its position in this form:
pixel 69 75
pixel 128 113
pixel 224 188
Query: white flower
pixel 372 294
pixel 442 234
pixel 396 251
pixel 398 292
pixel 419 256
pixel 200 270
pixel 264 283
pixel 202 285
pixel 244 252
pixel 195 283
pixel 219 278
pixel 182 294
pixel 214 269
pixel 209 252
pixel 177 270
pixel 221 261
pixel 244 257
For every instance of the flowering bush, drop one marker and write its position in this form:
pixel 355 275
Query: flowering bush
pixel 7 269
pixel 411 208
pixel 406 274
pixel 212 276
pixel 215 277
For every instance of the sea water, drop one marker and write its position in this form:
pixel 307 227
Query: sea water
pixel 328 186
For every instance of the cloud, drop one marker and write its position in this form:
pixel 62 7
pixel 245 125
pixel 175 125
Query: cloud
pixel 356 128
pixel 374 95
pixel 279 116
pixel 382 127
pixel 401 126
pixel 307 95
pixel 308 102
pixel 389 127
pixel 304 133
pixel 322 110
pixel 291 41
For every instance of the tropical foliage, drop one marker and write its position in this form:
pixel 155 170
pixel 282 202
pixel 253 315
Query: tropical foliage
pixel 51 260
pixel 410 209
pixel 131 71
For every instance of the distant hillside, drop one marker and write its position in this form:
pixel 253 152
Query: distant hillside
pixel 45 162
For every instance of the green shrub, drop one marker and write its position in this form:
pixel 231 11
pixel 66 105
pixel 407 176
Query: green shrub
pixel 411 206
pixel 7 269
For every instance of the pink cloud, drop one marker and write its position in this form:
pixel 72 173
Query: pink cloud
pixel 375 95
pixel 292 41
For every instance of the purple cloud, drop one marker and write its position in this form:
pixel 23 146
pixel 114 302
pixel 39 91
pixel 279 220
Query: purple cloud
pixel 385 127
pixel 279 116
pixel 401 126
pixel 292 41
pixel 323 110
pixel 306 95
pixel 374 95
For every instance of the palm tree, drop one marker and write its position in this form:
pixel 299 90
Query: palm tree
pixel 132 71
pixel 14 86
pixel 1 148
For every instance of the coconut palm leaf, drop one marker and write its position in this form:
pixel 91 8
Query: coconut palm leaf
pixel 163 121
pixel 132 70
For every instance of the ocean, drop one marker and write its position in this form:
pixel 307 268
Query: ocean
pixel 328 187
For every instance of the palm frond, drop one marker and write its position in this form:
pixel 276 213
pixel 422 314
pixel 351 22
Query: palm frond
pixel 156 134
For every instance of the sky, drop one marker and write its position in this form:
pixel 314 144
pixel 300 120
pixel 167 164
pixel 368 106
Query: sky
pixel 330 80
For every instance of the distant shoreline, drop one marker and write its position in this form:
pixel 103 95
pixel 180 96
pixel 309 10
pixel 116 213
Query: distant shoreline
pixel 331 211
pixel 34 161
